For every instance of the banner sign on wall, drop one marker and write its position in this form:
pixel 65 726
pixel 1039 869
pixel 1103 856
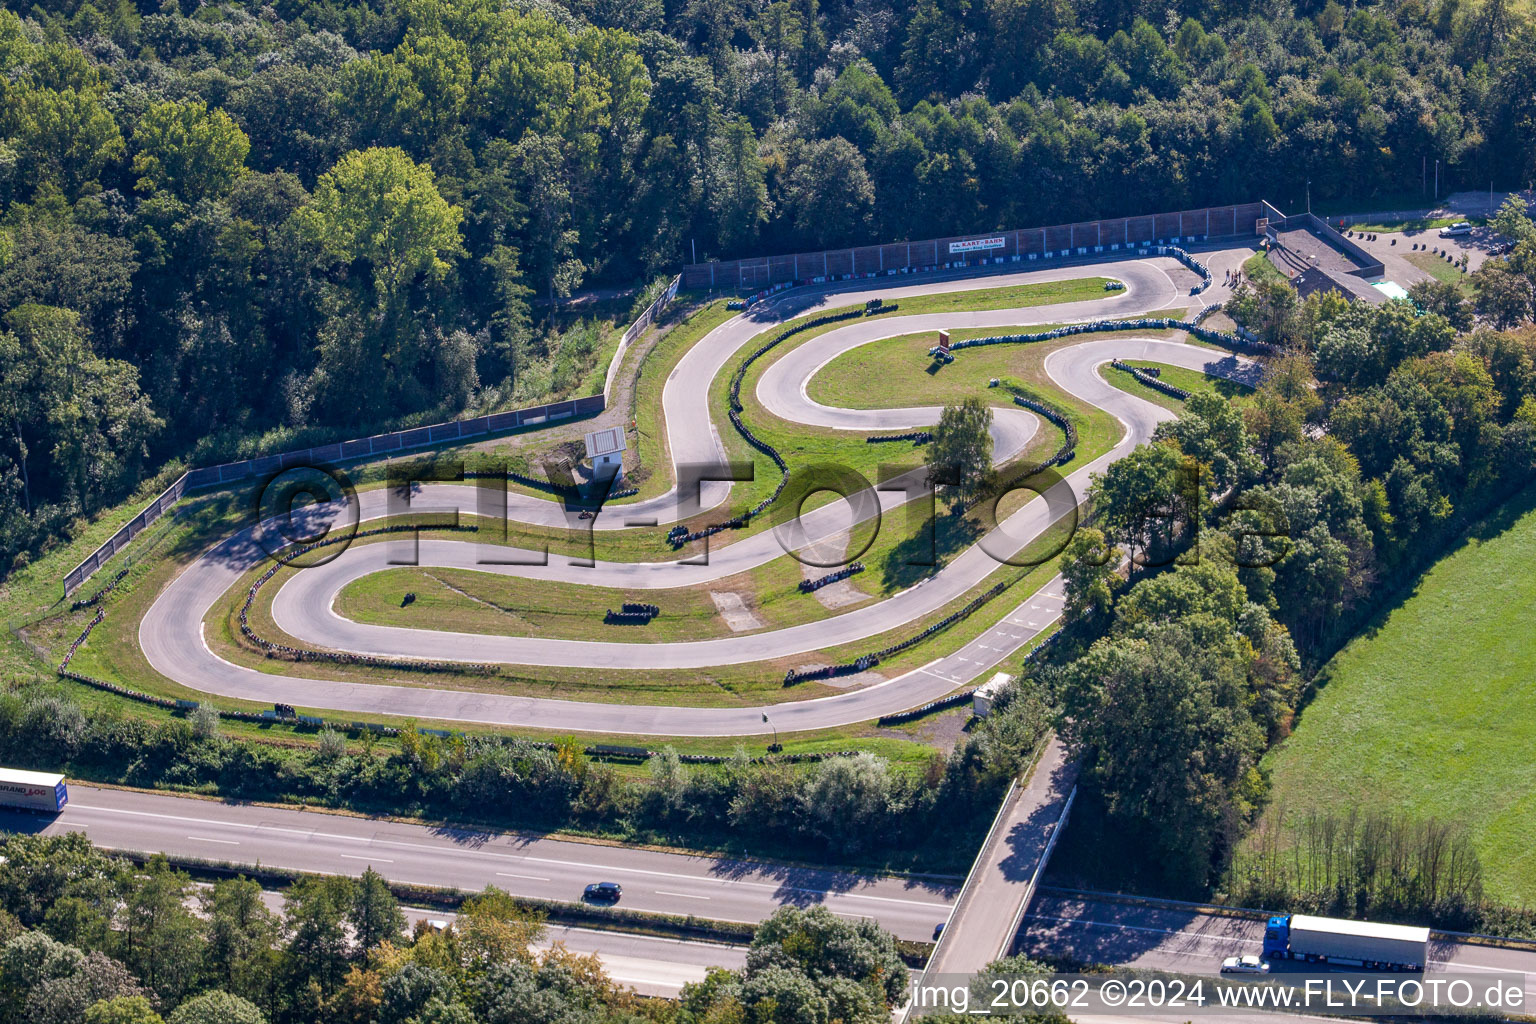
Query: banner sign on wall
pixel 978 244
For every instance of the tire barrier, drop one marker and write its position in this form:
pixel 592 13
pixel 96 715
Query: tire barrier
pixel 1114 286
pixel 869 661
pixel 287 653
pixel 1232 341
pixel 97 597
pixel 679 535
pixel 288 714
pixel 1150 378
pixel 547 486
pixel 956 699
pixel 631 614
pixel 811 586
pixel 1190 262
pixel 915 436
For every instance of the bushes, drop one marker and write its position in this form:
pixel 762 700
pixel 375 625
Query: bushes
pixel 505 782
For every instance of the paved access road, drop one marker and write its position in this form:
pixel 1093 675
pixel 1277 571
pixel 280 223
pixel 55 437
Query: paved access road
pixel 1188 940
pixel 464 858
pixel 170 632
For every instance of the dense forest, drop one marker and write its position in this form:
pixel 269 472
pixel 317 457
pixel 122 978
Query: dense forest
pixel 228 219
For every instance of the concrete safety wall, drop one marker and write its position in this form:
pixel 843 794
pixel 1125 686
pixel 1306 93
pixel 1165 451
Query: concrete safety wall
pixel 1018 245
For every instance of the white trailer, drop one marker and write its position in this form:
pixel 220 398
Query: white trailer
pixel 1332 940
pixel 32 791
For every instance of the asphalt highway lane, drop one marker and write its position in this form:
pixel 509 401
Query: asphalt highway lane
pixel 1190 941
pixel 470 859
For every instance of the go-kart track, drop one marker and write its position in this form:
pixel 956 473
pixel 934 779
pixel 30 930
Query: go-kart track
pixel 170 633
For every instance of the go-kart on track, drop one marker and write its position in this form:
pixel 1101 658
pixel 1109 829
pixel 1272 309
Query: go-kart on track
pixel 170 633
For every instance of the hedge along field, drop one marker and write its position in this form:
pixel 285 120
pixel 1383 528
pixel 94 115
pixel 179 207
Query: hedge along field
pixel 1432 711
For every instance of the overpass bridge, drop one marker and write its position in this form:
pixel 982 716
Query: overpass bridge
pixel 984 921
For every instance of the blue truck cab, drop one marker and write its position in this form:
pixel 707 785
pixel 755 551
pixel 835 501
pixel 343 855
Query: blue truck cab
pixel 1277 937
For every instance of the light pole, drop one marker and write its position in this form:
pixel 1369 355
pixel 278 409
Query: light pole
pixel 1309 196
pixel 775 748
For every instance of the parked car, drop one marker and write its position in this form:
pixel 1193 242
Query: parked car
pixel 607 892
pixel 1249 964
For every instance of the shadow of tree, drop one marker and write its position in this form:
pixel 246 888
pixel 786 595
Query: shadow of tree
pixel 927 550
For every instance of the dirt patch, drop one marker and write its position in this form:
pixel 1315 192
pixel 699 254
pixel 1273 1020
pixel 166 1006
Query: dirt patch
pixel 733 609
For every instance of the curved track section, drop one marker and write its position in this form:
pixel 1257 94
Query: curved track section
pixel 170 632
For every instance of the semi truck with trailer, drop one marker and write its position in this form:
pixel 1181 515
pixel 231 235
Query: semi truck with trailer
pixel 1367 944
pixel 32 791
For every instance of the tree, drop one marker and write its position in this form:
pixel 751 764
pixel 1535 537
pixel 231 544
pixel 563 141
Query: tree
pixel 381 207
pixel 216 1008
pixel 241 937
pixel 1088 569
pixel 123 1010
pixel 412 991
pixel 1504 295
pixel 61 400
pixel 493 928
pixel 62 137
pixel 65 1000
pixel 827 948
pixel 960 455
pixel 189 151
pixel 375 914
pixel 162 938
pixel 848 800
pixel 1142 500
pixel 315 912
pixel 1445 299
pixel 829 190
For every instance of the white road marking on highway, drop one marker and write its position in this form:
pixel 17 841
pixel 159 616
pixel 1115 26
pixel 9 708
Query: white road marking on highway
pixel 684 895
pixel 206 839
pixel 400 844
pixel 379 860
pixel 531 878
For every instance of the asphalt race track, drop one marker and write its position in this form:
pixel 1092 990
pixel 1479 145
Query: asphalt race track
pixel 170 633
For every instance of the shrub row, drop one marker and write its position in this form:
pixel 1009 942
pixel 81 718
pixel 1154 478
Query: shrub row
pixel 915 436
pixel 811 586
pixel 1151 379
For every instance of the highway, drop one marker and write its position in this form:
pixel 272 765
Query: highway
pixel 1057 926
pixel 304 607
pixel 1173 938
pixel 470 859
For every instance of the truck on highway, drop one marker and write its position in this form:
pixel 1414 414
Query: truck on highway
pixel 1383 947
pixel 32 791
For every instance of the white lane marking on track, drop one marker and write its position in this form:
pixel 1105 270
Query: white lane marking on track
pixel 376 860
pixel 684 895
pixel 530 878
pixel 206 839
pixel 400 844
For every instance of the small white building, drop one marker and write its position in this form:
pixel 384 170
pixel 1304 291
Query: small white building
pixel 981 700
pixel 606 450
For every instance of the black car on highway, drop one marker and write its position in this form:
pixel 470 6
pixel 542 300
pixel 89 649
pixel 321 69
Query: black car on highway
pixel 606 892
